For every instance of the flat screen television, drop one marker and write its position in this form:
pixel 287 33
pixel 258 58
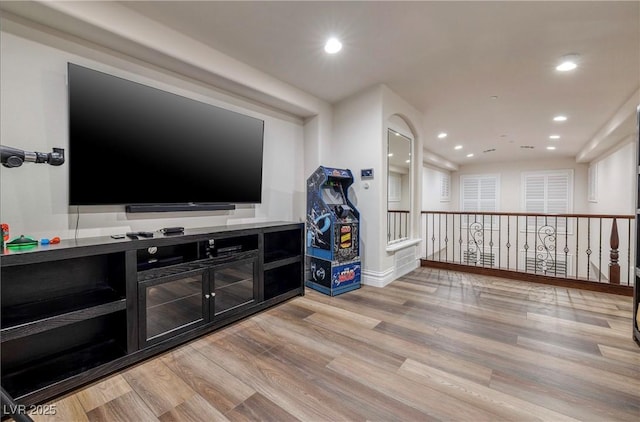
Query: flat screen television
pixel 132 144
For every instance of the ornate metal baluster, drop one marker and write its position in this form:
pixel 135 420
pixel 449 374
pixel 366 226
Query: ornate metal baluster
pixel 460 239
pixel 566 246
pixel 476 230
pixel 491 240
pixel 588 251
pixel 426 235
pixel 439 235
pixel 535 245
pixel 600 250
pixel 517 242
pixel 544 259
pixel 555 252
pixel 526 243
pixel 446 237
pixel 433 236
pixel 482 257
pixel 509 240
pixel 577 247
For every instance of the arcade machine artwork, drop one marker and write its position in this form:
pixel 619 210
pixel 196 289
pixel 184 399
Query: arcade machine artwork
pixel 333 252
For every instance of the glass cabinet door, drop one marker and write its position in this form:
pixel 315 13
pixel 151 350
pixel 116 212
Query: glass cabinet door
pixel 172 304
pixel 233 285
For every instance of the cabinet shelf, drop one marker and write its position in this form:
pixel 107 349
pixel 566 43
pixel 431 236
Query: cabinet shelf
pixel 40 360
pixel 48 323
pixel 282 262
pixel 66 364
pixel 80 304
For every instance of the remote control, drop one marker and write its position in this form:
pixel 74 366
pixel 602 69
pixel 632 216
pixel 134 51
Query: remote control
pixel 145 234
pixel 132 235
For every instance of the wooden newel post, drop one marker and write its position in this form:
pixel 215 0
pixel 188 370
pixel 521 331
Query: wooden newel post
pixel 614 267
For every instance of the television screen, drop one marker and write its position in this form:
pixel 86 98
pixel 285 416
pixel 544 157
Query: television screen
pixel 133 144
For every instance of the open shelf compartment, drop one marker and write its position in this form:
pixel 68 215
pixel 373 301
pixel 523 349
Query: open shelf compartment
pixel 29 364
pixel 283 244
pixel 46 291
pixel 282 279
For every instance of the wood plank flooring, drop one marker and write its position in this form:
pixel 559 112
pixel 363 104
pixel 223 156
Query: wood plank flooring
pixel 433 345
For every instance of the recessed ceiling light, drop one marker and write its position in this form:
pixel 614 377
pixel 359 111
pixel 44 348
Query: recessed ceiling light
pixel 494 97
pixel 332 46
pixel 469 155
pixel 442 135
pixel 554 136
pixel 397 133
pixel 551 148
pixel 408 161
pixel 390 154
pixel 458 147
pixel 560 118
pixel 568 62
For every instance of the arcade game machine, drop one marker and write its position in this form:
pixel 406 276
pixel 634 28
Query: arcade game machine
pixel 333 251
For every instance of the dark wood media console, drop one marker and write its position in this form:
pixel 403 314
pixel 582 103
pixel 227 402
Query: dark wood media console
pixel 80 310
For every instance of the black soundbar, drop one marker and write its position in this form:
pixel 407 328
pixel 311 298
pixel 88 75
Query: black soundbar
pixel 178 207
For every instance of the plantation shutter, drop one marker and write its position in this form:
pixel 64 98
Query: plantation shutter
pixel 479 193
pixel 548 192
pixel 488 194
pixel 534 196
pixel 470 193
pixel 557 194
pixel 445 186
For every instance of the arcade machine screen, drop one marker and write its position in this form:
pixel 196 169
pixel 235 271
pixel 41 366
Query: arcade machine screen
pixel 332 194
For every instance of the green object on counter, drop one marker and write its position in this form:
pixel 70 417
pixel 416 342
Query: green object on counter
pixel 22 242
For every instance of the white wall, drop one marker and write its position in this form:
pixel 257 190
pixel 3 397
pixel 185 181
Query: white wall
pixel 431 189
pixel 511 181
pixel 615 185
pixel 33 116
pixel 357 144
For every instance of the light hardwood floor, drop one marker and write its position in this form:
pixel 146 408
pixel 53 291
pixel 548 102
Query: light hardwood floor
pixel 434 345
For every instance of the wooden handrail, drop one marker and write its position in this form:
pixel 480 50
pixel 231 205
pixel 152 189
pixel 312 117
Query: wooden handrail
pixel 524 214
pixel 399 211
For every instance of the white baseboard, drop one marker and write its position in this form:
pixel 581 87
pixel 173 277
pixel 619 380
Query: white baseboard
pixel 382 278
pixel 377 278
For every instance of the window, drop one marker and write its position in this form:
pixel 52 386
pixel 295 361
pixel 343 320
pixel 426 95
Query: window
pixel 548 192
pixel 445 187
pixel 479 193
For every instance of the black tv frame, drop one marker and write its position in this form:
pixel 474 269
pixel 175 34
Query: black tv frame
pixel 152 207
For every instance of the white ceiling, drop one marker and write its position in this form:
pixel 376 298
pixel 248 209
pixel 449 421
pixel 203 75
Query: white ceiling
pixel 446 59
